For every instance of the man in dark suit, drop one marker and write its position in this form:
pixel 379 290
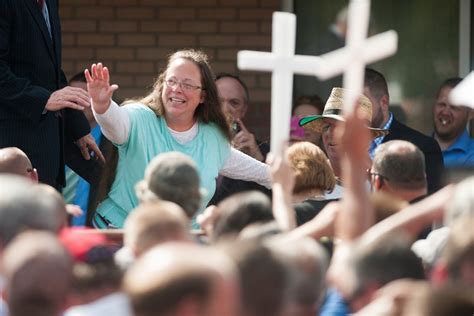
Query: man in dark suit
pixel 375 88
pixel 38 114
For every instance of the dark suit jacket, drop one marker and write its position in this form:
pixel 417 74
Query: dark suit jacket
pixel 30 70
pixel 429 146
pixel 103 178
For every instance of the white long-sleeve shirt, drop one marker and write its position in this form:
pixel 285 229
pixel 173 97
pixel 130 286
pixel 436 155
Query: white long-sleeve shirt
pixel 115 125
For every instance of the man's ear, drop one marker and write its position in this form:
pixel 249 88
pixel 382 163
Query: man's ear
pixel 384 102
pixel 34 175
pixel 378 183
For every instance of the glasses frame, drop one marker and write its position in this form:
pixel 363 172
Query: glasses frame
pixel 173 83
pixel 371 174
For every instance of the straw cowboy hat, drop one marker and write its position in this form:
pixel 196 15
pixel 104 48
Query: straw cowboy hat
pixel 333 110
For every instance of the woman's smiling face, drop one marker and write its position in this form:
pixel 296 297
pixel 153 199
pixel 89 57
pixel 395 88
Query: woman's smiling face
pixel 182 93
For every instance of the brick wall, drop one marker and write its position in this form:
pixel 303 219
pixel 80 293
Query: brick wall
pixel 133 38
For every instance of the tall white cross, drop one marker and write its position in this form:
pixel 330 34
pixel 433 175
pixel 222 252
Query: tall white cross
pixel 283 63
pixel 358 52
pixel 463 93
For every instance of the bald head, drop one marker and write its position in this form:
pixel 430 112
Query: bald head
pixel 401 164
pixel 59 205
pixel 38 271
pixel 178 278
pixel 14 160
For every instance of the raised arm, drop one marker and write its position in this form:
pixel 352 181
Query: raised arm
pixel 357 213
pixel 413 218
pixel 322 225
pixel 113 120
pixel 283 178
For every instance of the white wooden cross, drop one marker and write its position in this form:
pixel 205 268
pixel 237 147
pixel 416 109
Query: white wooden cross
pixel 358 52
pixel 283 63
pixel 463 93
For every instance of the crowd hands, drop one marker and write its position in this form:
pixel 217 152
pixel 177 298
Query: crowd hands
pixel 252 255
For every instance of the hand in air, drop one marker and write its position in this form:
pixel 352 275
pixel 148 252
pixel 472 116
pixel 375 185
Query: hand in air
pixel 99 88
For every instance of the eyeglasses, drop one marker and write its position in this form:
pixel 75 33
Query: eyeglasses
pixel 172 83
pixel 370 174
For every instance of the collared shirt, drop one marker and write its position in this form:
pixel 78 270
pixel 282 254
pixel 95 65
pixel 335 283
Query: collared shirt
pixel 460 153
pixel 377 141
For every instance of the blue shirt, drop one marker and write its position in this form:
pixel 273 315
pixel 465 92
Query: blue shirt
pixel 377 141
pixel 461 153
pixel 81 196
pixel 334 304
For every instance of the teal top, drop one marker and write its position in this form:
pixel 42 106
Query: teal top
pixel 148 137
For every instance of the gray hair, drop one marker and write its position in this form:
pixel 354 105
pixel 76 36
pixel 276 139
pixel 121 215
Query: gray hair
pixel 172 176
pixel 23 205
pixel 402 163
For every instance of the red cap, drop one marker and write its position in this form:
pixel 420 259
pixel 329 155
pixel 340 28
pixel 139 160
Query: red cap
pixel 79 240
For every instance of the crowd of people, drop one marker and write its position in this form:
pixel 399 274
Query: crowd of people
pixel 172 206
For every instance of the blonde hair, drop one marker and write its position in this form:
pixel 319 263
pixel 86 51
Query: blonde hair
pixel 311 166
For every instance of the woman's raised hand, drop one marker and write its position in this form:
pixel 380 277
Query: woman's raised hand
pixel 99 88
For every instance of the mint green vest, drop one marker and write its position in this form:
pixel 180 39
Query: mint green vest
pixel 149 136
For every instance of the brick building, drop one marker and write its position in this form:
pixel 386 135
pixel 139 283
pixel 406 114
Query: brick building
pixel 134 37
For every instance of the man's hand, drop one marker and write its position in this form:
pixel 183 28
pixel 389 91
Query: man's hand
pixel 68 97
pixel 245 142
pixel 87 144
pixel 208 218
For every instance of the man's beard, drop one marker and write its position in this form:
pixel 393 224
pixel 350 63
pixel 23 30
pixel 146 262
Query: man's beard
pixel 450 133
